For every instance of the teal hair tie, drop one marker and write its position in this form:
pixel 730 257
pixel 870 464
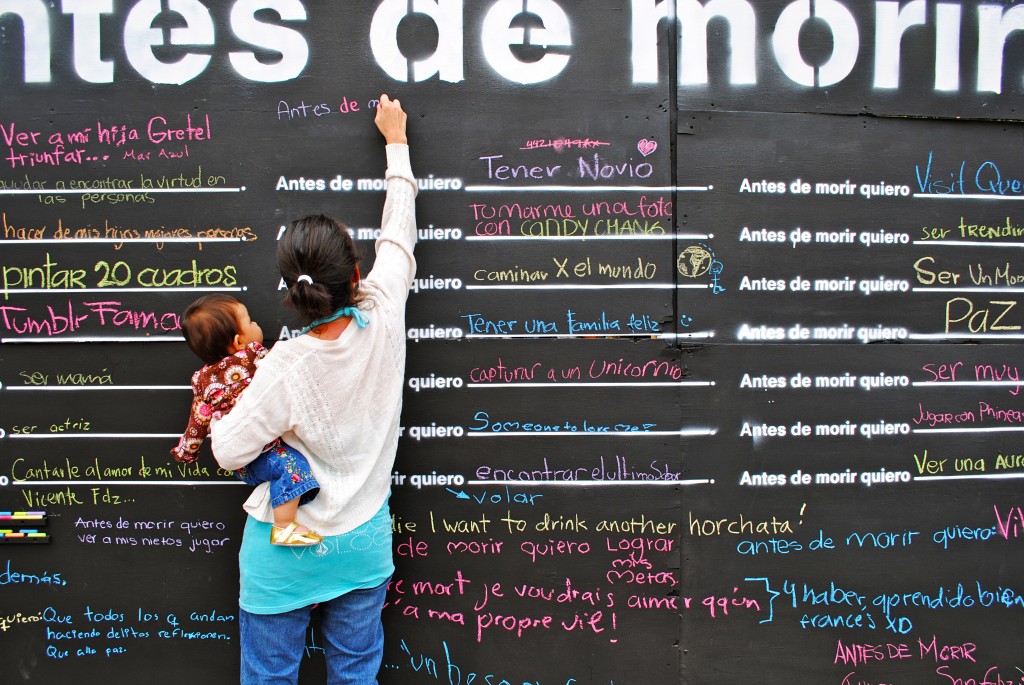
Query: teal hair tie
pixel 361 319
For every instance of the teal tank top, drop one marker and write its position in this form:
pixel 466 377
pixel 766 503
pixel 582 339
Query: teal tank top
pixel 275 579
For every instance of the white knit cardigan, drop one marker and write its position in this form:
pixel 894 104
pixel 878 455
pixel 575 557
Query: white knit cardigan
pixel 338 402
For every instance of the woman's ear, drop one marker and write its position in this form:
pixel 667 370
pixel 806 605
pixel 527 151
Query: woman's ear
pixel 356 277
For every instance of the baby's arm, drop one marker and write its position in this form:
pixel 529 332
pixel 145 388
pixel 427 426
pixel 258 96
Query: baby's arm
pixel 187 450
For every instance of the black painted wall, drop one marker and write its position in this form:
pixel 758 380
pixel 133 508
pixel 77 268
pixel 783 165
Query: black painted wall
pixel 713 376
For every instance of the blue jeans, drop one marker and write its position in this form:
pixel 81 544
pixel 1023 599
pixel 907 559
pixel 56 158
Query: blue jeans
pixel 273 644
pixel 287 471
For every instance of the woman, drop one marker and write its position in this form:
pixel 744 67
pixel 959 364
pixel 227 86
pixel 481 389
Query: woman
pixel 334 394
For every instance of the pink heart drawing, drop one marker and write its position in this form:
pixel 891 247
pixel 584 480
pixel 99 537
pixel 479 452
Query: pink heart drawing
pixel 646 147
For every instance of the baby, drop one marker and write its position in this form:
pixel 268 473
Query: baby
pixel 218 329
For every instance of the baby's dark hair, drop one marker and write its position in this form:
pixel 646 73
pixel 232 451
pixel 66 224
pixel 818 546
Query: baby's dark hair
pixel 210 325
pixel 321 248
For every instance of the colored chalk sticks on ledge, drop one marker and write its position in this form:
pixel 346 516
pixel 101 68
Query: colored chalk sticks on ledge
pixel 14 530
pixel 22 536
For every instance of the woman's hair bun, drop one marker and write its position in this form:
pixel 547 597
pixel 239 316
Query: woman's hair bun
pixel 317 259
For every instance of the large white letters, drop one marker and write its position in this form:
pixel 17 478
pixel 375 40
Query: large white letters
pixel 693 55
pixel 890 25
pixel 893 21
pixel 947 47
pixel 86 37
pixel 993 27
pixel 140 37
pixel 845 42
pixel 897 31
pixel 292 46
pixel 498 35
pixel 37 37
pixel 644 38
pixel 446 61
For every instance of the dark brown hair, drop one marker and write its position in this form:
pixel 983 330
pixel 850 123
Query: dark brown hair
pixel 321 247
pixel 209 325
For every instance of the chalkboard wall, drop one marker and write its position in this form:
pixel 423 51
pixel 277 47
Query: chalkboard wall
pixel 714 345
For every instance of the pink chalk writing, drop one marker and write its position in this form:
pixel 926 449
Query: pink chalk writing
pixel 77 147
pixel 563 143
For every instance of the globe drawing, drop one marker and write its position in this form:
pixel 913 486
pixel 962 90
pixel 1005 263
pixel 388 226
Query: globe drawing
pixel 694 261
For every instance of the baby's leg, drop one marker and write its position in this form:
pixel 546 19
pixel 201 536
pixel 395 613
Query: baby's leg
pixel 285 514
pixel 292 484
pixel 287 531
